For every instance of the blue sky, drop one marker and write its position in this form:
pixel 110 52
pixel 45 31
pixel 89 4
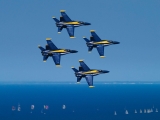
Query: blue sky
pixel 26 24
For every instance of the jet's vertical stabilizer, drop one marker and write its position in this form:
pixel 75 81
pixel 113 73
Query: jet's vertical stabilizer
pixel 80 68
pixel 62 19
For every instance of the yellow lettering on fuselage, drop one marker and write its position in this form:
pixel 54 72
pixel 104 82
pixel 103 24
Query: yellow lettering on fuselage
pixel 72 23
pixel 102 42
pixel 91 71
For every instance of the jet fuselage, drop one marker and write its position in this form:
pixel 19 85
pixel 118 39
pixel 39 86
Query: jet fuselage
pixel 73 23
pixel 60 51
pixel 102 42
pixel 92 72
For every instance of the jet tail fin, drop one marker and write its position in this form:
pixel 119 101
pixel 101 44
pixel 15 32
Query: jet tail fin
pixel 92 38
pixel 61 19
pixel 80 68
pixel 86 39
pixel 47 47
pixel 55 19
pixel 74 69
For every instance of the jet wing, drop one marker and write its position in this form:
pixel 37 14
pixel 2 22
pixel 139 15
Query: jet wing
pixel 56 58
pixel 89 79
pixel 100 49
pixel 70 30
pixel 45 58
pixel 51 45
pixel 95 36
pixel 65 16
pixel 84 66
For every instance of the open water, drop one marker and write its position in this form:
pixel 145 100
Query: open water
pixel 81 102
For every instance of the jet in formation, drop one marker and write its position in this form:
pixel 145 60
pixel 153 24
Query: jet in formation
pixel 87 73
pixel 54 52
pixel 66 22
pixel 96 42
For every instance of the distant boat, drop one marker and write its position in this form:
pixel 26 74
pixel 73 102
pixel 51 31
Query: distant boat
pixel 144 110
pixel 148 111
pixel 115 113
pixel 140 111
pixel 19 107
pixel 13 108
pixel 156 110
pixel 135 111
pixel 32 107
pixel 46 107
pixel 126 112
pixel 63 107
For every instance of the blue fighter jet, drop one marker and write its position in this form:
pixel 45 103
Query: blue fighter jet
pixel 86 72
pixel 66 22
pixel 54 52
pixel 96 42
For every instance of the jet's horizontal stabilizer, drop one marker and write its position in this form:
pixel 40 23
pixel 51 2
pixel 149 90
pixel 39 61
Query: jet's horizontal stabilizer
pixel 79 79
pixel 45 58
pixel 86 39
pixel 41 48
pixel 74 69
pixel 60 29
pixel 90 49
pixel 55 19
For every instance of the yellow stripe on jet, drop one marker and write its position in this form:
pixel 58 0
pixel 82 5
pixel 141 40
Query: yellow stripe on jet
pixel 72 23
pixel 91 71
pixel 101 42
pixel 58 51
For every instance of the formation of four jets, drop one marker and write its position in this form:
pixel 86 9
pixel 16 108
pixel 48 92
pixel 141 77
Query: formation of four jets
pixel 84 71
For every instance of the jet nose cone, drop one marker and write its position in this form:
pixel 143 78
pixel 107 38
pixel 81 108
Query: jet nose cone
pixel 105 71
pixel 86 23
pixel 115 42
pixel 74 51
